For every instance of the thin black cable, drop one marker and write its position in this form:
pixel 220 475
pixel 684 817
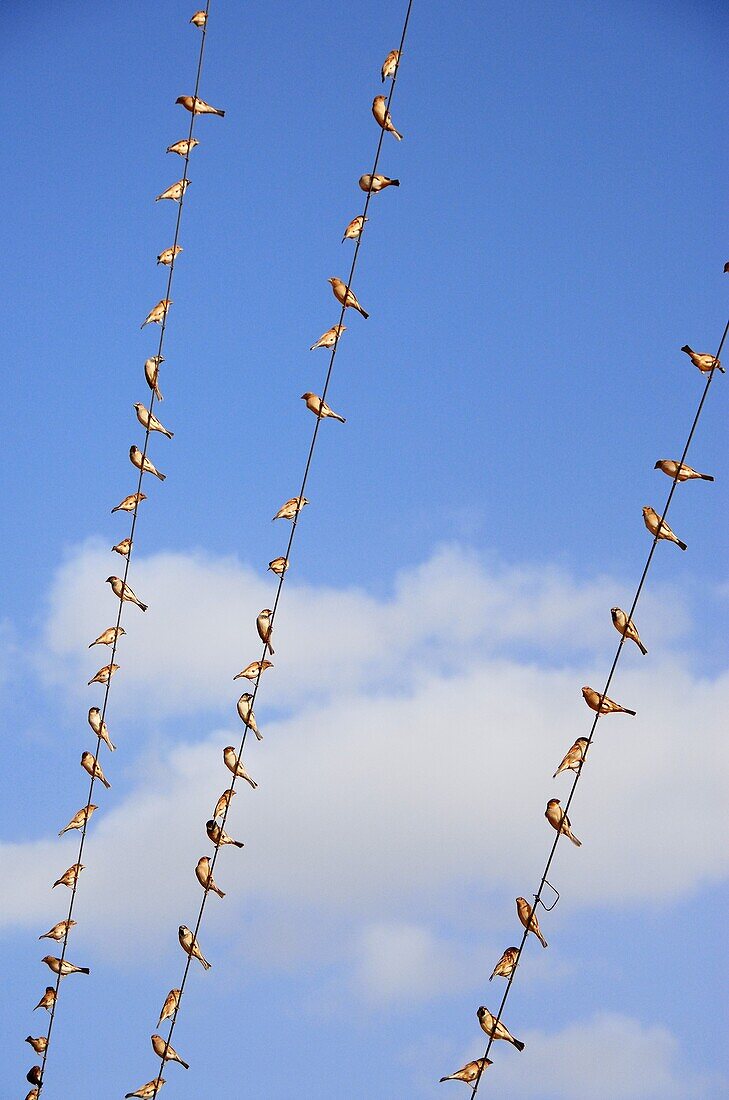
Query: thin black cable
pixel 307 467
pixel 127 562
pixel 613 667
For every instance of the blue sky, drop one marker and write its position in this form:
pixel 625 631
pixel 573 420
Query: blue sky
pixel 559 233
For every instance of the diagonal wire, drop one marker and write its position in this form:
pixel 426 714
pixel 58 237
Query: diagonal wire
pixel 163 328
pixel 613 667
pixel 304 481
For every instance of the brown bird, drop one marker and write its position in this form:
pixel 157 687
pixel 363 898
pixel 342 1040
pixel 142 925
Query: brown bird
pixel 99 728
pixel 559 821
pixel 726 267
pixel 48 999
pixel 219 837
pixel 199 19
pixel 376 183
pixel 626 627
pixel 140 460
pixel 382 116
pixel 168 255
pixel 675 470
pixel 198 106
pixel 290 509
pixel 110 635
pixel 574 758
pixel 607 706
pixel 354 229
pixel 68 878
pixel 104 674
pixel 151 373
pixel 148 1091
pixel 253 670
pixel 345 296
pixel 246 715
pixel 59 931
pixel 389 68
pixel 129 503
pixel 205 878
pixel 659 528
pixel 235 765
pixel 32 1095
pixel 123 592
pixel 90 764
pixel 278 566
pixel 63 967
pixel 702 360
pixel 78 821
pixel 150 421
pixel 175 191
pixel 530 922
pixel 472 1070
pixel 34 1076
pixel 498 1030
pixel 223 803
pixel 39 1044
pixel 320 408
pixel 264 626
pixel 157 314
pixel 329 338
pixel 164 1050
pixel 122 548
pixel 505 966
pixel 190 946
pixel 172 1000
pixel 183 148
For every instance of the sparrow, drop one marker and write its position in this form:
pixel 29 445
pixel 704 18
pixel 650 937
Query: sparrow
pixel 264 626
pixel 34 1076
pixel 659 528
pixel 219 837
pixel 523 911
pixel 48 999
pixel 169 1008
pixel 39 1044
pixel 68 878
pixel 157 315
pixel 122 548
pixel 680 472
pixel 382 116
pixel 278 566
pixel 291 508
pixel 607 706
pixel 246 715
pixel 626 627
pixel 198 106
pixel 78 821
pixel 329 338
pixel 140 460
pixel 320 408
pixel 253 670
pixel 560 822
pixel 164 1050
pixel 109 636
pixel 703 360
pixel 345 297
pixel 99 728
pixel 63 968
pixel 505 965
pixel 175 191
pixel 354 229
pixel 472 1070
pixel 168 255
pixel 32 1095
pixel 129 503
pixel 223 803
pixel 151 373
pixel 150 421
pixel 59 931
pixel 123 592
pixel 234 765
pixel 199 19
pixel 183 148
pixel 498 1030
pixel 90 764
pixel 104 674
pixel 205 878
pixel 189 945
pixel 146 1092
pixel 574 757
pixel 376 183
pixel 389 67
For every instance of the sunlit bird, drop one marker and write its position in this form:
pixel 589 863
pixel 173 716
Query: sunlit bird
pixel 680 471
pixel 199 19
pixel 559 821
pixel 190 946
pixel 148 420
pixel 123 592
pixel 505 966
pixel 48 999
pixel 219 837
pixel 172 1000
pixel 79 819
pixel 253 670
pixel 163 1050
pixel 90 764
pixel 389 68
pixel 234 765
pixel 702 360
pixel 129 503
pixel 156 315
pixel 278 566
pixel 376 183
pixel 320 408
pixel 529 919
pixel 574 757
pixel 264 626
pixel 151 374
pixel 110 635
pixel 63 967
pixel 99 728
pixel 345 296
pixel 246 715
pixel 198 106
pixel 659 528
pixel 382 116
pixel 59 931
pixel 290 509
pixel 626 627
pixel 168 255
pixel 205 877
pixel 471 1071
pixel 104 674
pixel 329 338
pixel 140 460
pixel 354 229
pixel 68 878
pixel 34 1076
pixel 497 1030
pixel 146 1092
pixel 123 548
pixel 183 147
pixel 39 1044
pixel 606 706
pixel 175 191
pixel 224 802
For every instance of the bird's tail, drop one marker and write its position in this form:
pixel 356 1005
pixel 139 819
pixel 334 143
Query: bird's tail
pixel 575 841
pixel 394 183
pixel 451 1076
pixel 544 944
pixel 687 349
pixel 204 961
pixel 96 643
pixel 238 844
pixel 84 970
pixel 143 606
pixel 341 419
pixel 719 367
pixel 625 710
pixel 169 434
pixel 253 783
pixel 556 774
pixel 220 113
pixel 706 477
pixel 183 1064
pixel 641 647
pixel 364 313
pixel 681 544
pixel 259 735
pixel 396 134
pixel 159 475
pixel 518 1044
pixel 270 648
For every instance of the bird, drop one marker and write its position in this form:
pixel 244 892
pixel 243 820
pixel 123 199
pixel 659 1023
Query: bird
pixel 219 837
pixel 140 460
pixel 104 675
pixel 354 229
pixel 63 967
pixel 123 592
pixel 471 1071
pixel 129 503
pixel 626 627
pixel 329 338
pixel 703 360
pixel 157 314
pixel 389 67
pixel 278 566
pixel 163 1050
pixel 59 931
pixel 169 1008
pixel 184 147
pixel 148 420
pixel 199 19
pixel 345 297
pixel 151 373
pixel 376 183
pixel 253 670
pixel 39 1044
pixel 264 626
pixel 559 821
pixel 190 946
pixel 245 713
pixel 205 878
pixel 79 819
pixel 175 191
pixel 148 1091
pixel 99 728
pixel 606 706
pixel 529 919
pixel 68 878
pixel 320 408
pixel 168 255
pixel 122 548
pixel 726 267
pixel 290 509
pixel 110 635
pixel 680 471
pixel 34 1076
pixel 234 765
pixel 48 999
pixel 90 764
pixel 382 116
pixel 497 1030
pixel 659 528
pixel 198 106
pixel 223 803
pixel 505 965
pixel 32 1095
pixel 574 758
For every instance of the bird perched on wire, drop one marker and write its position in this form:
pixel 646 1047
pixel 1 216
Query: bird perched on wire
pixel 39 1044
pixel 198 106
pixel 389 68
pixel 169 255
pixel 59 931
pixel 601 703
pixel 148 1091
pixel 253 670
pixel 626 627
pixel 183 148
pixel 559 821
pixel 290 509
pixel 123 592
pixel 497 1030
pixel 472 1070
pixel 163 1050
pixel 34 1076
pixel 199 19
pixel 169 1008
pixel 79 819
pixel 48 999
pixel 320 408
pixel 505 966
pixel 175 191
pixel 382 116
pixel 68 878
pixel 205 878
pixel 529 919
pixel 151 374
pixel 264 626
pixel 702 360
pixel 376 183
pixel 235 765
pixel 219 837
pixel 679 471
pixel 329 338
pixel 574 758
pixel 109 636
pixel 278 566
pixel 99 728
pixel 659 528
pixel 354 229
pixel 223 803
pixel 246 715
pixel 140 460
pixel 129 503
pixel 157 314
pixel 190 946
pixel 345 297
pixel 63 967
pixel 122 548
pixel 104 675
pixel 148 420
pixel 90 764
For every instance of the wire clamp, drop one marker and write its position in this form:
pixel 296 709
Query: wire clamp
pixel 538 900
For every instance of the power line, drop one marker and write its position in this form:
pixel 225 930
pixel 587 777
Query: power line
pixel 613 667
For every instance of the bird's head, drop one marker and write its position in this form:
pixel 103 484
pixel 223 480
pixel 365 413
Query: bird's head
pixel 182 930
pixel 47 959
pixel 306 396
pixel 481 1011
pixel 266 611
pixel 332 281
pixel 182 99
pixel 110 580
pixel 521 901
pixel 647 510
pixel 210 826
pixel 581 741
pixel 657 465
pixel 614 611
pixel 553 802
pixel 228 748
pixel 137 405
pixel 587 691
